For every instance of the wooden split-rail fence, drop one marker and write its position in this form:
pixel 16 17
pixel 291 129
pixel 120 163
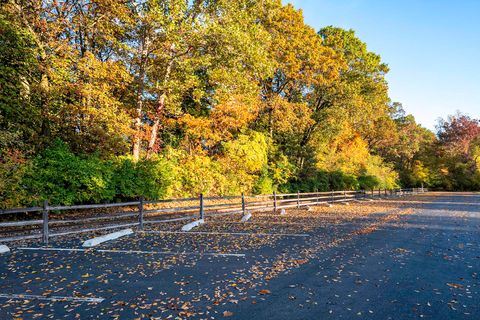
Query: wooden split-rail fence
pixel 45 222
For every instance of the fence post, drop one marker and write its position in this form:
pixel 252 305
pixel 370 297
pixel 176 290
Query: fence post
pixel 201 206
pixel 332 196
pixel 274 201
pixel 140 213
pixel 45 222
pixel 243 204
pixel 298 199
pixel 344 195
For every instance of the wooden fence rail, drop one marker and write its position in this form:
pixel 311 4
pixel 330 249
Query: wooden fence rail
pixel 187 208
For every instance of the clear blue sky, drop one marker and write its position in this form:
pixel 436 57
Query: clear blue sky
pixel 431 46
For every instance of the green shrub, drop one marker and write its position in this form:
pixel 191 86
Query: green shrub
pixel 65 178
pixel 149 178
pixel 310 182
pixel 368 182
pixel 341 181
pixel 263 184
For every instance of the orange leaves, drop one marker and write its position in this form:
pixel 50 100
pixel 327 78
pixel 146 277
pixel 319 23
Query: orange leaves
pixel 199 129
pixel 455 285
pixel 225 119
pixel 234 114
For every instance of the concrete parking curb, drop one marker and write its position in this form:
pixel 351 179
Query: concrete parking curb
pixel 191 225
pixel 111 236
pixel 246 217
pixel 4 249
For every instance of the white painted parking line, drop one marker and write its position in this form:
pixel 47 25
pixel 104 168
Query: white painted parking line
pixel 50 298
pixel 230 233
pixel 55 249
pixel 251 222
pixel 134 251
pixel 275 223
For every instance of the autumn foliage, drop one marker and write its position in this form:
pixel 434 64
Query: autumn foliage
pixel 105 100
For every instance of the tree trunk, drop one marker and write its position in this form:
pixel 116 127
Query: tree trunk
pixel 143 50
pixel 156 125
pixel 44 79
pixel 160 106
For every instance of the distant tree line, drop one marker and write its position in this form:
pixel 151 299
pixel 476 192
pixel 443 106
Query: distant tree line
pixel 105 100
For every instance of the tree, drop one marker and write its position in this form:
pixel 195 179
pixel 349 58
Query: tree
pixel 78 86
pixel 457 151
pixel 457 134
pixel 300 63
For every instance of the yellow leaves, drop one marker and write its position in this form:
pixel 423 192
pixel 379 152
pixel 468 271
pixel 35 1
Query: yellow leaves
pixel 247 153
pixel 346 153
pixel 420 172
pixel 289 117
pixel 349 152
pixel 108 74
pixel 199 129
pixel 227 313
pixel 298 50
pixel 234 114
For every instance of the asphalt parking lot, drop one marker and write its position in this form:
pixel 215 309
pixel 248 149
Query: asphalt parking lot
pixel 414 258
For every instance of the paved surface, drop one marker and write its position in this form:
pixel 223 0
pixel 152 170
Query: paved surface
pixel 420 260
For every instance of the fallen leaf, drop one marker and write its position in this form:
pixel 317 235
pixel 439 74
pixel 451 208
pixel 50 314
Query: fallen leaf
pixel 227 313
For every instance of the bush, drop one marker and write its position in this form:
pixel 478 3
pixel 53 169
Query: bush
pixel 197 174
pixel 368 182
pixel 65 178
pixel 463 178
pixel 149 178
pixel 386 177
pixel 310 182
pixel 264 184
pixel 341 181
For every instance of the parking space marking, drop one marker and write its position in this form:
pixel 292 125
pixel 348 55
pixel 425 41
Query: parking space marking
pixel 134 251
pixel 230 233
pixel 251 222
pixel 51 298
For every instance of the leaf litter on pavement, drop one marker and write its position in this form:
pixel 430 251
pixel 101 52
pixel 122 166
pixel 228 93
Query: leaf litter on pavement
pixel 172 290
